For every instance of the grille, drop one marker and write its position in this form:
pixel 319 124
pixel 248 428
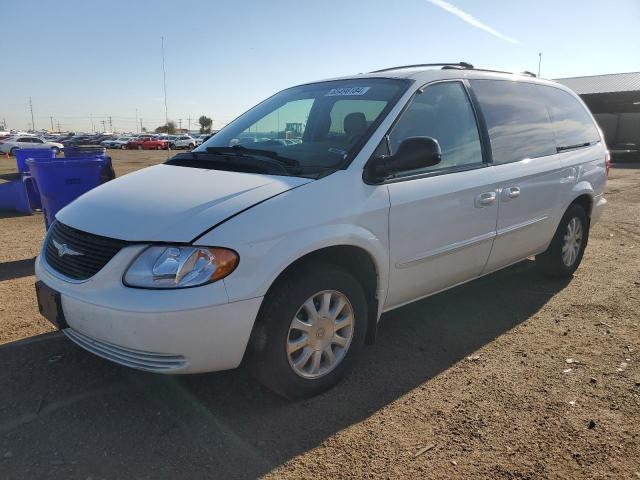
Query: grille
pixel 149 361
pixel 95 251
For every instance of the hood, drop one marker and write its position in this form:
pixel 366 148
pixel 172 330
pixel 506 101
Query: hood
pixel 167 203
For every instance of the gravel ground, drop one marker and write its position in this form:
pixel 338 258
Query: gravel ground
pixel 510 376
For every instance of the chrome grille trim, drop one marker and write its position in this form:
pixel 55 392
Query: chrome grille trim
pixel 94 251
pixel 138 359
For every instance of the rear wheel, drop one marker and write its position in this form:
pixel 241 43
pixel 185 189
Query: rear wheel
pixel 13 151
pixel 158 147
pixel 139 147
pixel 565 252
pixel 123 147
pixel 310 331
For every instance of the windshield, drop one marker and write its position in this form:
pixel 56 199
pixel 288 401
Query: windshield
pixel 310 130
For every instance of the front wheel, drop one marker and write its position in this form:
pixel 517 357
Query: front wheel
pixel 56 150
pixel 565 252
pixel 140 147
pixel 310 331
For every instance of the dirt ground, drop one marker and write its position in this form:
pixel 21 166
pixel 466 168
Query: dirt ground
pixel 511 376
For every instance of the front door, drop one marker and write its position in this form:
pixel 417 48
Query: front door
pixel 443 218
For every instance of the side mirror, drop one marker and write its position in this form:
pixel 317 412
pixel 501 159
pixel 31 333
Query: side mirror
pixel 413 153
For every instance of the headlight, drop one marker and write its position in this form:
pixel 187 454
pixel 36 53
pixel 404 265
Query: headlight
pixel 180 266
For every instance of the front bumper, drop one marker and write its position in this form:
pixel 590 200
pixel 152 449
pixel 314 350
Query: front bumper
pixel 188 330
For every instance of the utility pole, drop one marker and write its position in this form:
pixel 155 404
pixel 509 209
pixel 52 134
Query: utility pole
pixel 539 62
pixel 137 131
pixel 59 127
pixel 180 123
pixel 33 125
pixel 104 127
pixel 51 118
pixel 141 127
pixel 93 128
pixel 164 82
pixel 189 120
pixel 110 124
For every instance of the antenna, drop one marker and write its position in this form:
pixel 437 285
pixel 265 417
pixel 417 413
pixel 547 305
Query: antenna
pixel 539 62
pixel 164 82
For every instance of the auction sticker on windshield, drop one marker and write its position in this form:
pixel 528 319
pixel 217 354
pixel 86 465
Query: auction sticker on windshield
pixel 337 92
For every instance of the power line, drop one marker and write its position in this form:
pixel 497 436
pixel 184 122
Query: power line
pixel 33 125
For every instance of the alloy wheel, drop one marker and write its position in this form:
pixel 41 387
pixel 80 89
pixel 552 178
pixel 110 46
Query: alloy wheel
pixel 572 242
pixel 320 334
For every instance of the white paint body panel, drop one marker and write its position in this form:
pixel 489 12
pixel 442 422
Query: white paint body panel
pixel 424 235
pixel 169 204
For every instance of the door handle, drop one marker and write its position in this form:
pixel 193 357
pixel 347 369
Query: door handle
pixel 510 193
pixel 485 199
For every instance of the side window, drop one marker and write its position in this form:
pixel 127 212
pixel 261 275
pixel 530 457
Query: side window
pixel 443 112
pixel 571 122
pixel 517 120
pixel 37 140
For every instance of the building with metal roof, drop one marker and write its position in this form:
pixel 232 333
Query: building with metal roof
pixel 614 100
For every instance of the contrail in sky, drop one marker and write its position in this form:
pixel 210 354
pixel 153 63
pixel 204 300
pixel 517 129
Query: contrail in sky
pixel 470 19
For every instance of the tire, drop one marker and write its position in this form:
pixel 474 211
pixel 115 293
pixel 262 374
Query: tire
pixel 268 358
pixel 158 147
pixel 140 147
pixel 554 262
pixel 123 147
pixel 191 146
pixel 13 151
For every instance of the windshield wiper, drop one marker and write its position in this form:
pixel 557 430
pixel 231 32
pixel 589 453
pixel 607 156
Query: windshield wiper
pixel 571 147
pixel 241 150
pixel 242 163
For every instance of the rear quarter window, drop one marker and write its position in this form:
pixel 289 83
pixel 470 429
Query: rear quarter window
pixel 517 120
pixel 571 121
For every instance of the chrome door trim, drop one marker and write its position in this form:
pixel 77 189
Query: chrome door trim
pixel 447 249
pixel 520 226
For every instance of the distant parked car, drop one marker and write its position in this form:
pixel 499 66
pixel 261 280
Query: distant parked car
pixel 120 142
pixel 183 141
pixel 158 143
pixel 11 144
pixel 203 138
pixel 136 143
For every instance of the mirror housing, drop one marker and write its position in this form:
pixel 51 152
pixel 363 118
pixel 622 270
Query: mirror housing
pixel 413 153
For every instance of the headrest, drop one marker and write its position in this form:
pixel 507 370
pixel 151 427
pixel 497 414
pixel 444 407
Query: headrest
pixel 355 123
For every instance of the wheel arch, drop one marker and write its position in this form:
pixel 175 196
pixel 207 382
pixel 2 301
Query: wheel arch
pixel 357 261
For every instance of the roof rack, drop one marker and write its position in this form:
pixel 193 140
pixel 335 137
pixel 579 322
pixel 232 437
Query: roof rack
pixel 450 65
pixel 528 73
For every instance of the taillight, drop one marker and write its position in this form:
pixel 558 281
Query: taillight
pixel 607 161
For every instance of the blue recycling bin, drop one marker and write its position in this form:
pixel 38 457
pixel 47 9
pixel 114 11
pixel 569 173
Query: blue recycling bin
pixel 61 181
pixel 14 196
pixel 23 153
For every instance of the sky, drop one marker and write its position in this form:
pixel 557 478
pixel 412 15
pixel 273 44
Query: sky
pixel 85 61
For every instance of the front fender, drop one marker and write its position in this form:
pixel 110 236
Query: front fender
pixel 263 261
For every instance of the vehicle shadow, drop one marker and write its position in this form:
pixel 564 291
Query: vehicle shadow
pixel 17 268
pixel 69 414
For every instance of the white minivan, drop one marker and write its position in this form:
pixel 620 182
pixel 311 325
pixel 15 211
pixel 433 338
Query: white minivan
pixel 396 185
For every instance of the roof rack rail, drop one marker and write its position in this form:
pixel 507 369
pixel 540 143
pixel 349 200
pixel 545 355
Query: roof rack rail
pixel 528 73
pixel 402 67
